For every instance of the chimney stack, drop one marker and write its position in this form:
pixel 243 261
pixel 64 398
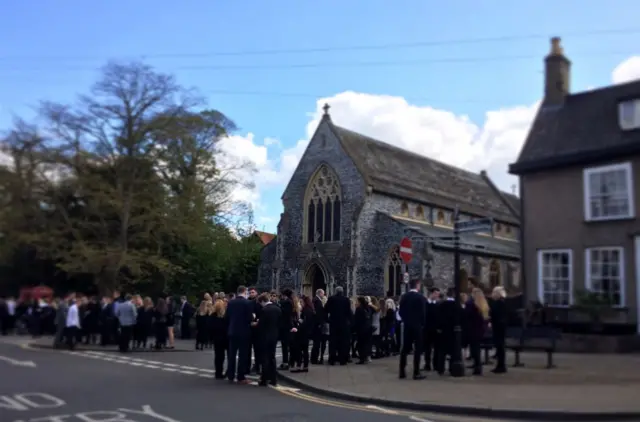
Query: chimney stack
pixel 557 74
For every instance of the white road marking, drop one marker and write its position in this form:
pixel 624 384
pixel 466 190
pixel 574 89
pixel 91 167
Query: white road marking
pixel 188 372
pixel 15 362
pixel 287 389
pixel 170 369
pixel 205 376
pixel 419 419
pixel 382 409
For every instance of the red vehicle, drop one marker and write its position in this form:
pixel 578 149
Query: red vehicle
pixel 35 293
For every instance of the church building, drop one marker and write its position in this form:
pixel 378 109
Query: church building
pixel 352 199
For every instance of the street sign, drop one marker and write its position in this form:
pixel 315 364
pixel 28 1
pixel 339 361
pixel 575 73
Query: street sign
pixel 479 225
pixel 405 278
pixel 406 251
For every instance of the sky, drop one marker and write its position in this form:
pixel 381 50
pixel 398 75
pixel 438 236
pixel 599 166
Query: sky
pixel 458 81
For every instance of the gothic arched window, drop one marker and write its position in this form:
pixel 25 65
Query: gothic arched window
pixel 323 208
pixel 393 282
pixel 419 212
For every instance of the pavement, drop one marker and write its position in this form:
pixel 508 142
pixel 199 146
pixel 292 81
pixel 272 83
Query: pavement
pixel 582 387
pixel 46 385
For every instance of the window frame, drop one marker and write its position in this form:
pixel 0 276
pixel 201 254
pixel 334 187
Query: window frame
pixel 541 253
pixel 621 272
pixel 588 172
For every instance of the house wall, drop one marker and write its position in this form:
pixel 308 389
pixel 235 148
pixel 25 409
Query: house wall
pixel 553 203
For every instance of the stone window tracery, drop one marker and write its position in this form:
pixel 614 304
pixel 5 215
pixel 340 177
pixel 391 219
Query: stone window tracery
pixel 419 212
pixel 323 207
pixel 404 209
pixel 394 273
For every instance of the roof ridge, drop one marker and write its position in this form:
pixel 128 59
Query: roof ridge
pixel 406 151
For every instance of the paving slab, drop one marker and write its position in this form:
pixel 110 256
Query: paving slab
pixel 581 384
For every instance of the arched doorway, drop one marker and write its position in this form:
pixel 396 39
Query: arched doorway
pixel 314 279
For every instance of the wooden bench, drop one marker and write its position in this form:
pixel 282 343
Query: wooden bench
pixel 544 338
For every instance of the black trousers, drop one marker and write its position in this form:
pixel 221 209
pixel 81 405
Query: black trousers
pixel 445 349
pixel 126 333
pixel 71 336
pixel 317 342
pixel 238 353
pixel 256 346
pixel 285 339
pixel 476 355
pixel 339 343
pixel 364 345
pixel 219 352
pixel 430 349
pixel 412 340
pixel 300 350
pixel 499 344
pixel 269 362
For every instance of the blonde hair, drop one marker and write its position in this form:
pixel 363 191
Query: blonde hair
pixel 481 302
pixel 202 309
pixel 220 308
pixel 209 308
pixel 207 297
pixel 296 304
pixel 390 304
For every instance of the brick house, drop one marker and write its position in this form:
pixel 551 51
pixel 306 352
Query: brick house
pixel 579 174
pixel 352 199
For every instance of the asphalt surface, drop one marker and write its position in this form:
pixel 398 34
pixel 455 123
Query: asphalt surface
pixel 56 386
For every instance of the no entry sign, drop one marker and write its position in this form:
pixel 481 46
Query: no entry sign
pixel 406 251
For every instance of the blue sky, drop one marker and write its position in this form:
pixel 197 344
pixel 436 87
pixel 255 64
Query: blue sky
pixel 52 49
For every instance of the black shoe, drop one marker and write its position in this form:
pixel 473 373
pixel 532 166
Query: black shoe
pixel 273 383
pixel 419 377
pixel 262 383
pixel 499 370
pixel 402 375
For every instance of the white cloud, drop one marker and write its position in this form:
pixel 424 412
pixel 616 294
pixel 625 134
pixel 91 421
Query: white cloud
pixel 627 71
pixel 443 135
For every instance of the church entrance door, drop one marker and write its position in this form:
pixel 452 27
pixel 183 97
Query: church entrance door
pixel 314 279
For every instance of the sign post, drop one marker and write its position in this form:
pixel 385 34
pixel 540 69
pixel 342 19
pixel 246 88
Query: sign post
pixel 406 254
pixel 470 226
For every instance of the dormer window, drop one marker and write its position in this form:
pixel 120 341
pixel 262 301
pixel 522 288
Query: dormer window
pixel 629 114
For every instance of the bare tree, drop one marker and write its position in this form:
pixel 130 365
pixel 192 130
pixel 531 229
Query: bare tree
pixel 105 145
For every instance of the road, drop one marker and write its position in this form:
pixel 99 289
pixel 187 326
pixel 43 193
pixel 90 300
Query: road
pixel 54 386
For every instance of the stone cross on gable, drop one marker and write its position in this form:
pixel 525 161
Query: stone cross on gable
pixel 326 108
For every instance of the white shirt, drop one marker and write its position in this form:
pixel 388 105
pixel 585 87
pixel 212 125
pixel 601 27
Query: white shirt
pixel 11 307
pixel 73 318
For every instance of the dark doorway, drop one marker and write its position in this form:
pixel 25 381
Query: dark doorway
pixel 314 280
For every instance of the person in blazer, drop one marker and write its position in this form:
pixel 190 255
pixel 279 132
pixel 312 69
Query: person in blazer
pixel 431 330
pixel 413 315
pixel 447 313
pixel 340 317
pixel 240 316
pixel 268 328
pixel 320 319
pixel 286 305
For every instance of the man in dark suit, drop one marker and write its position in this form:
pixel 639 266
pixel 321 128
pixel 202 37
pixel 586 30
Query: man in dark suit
pixel 255 341
pixel 268 328
pixel 431 330
pixel 286 323
pixel 413 314
pixel 240 317
pixel 338 309
pixel 321 318
pixel 186 314
pixel 447 314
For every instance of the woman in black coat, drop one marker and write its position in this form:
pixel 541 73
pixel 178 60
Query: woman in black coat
pixel 499 326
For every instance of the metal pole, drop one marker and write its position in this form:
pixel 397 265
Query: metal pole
pixel 457 365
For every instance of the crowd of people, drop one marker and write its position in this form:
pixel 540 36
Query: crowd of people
pixel 246 327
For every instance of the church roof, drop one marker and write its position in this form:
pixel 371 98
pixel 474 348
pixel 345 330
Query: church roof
pixel 395 171
pixel 264 237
